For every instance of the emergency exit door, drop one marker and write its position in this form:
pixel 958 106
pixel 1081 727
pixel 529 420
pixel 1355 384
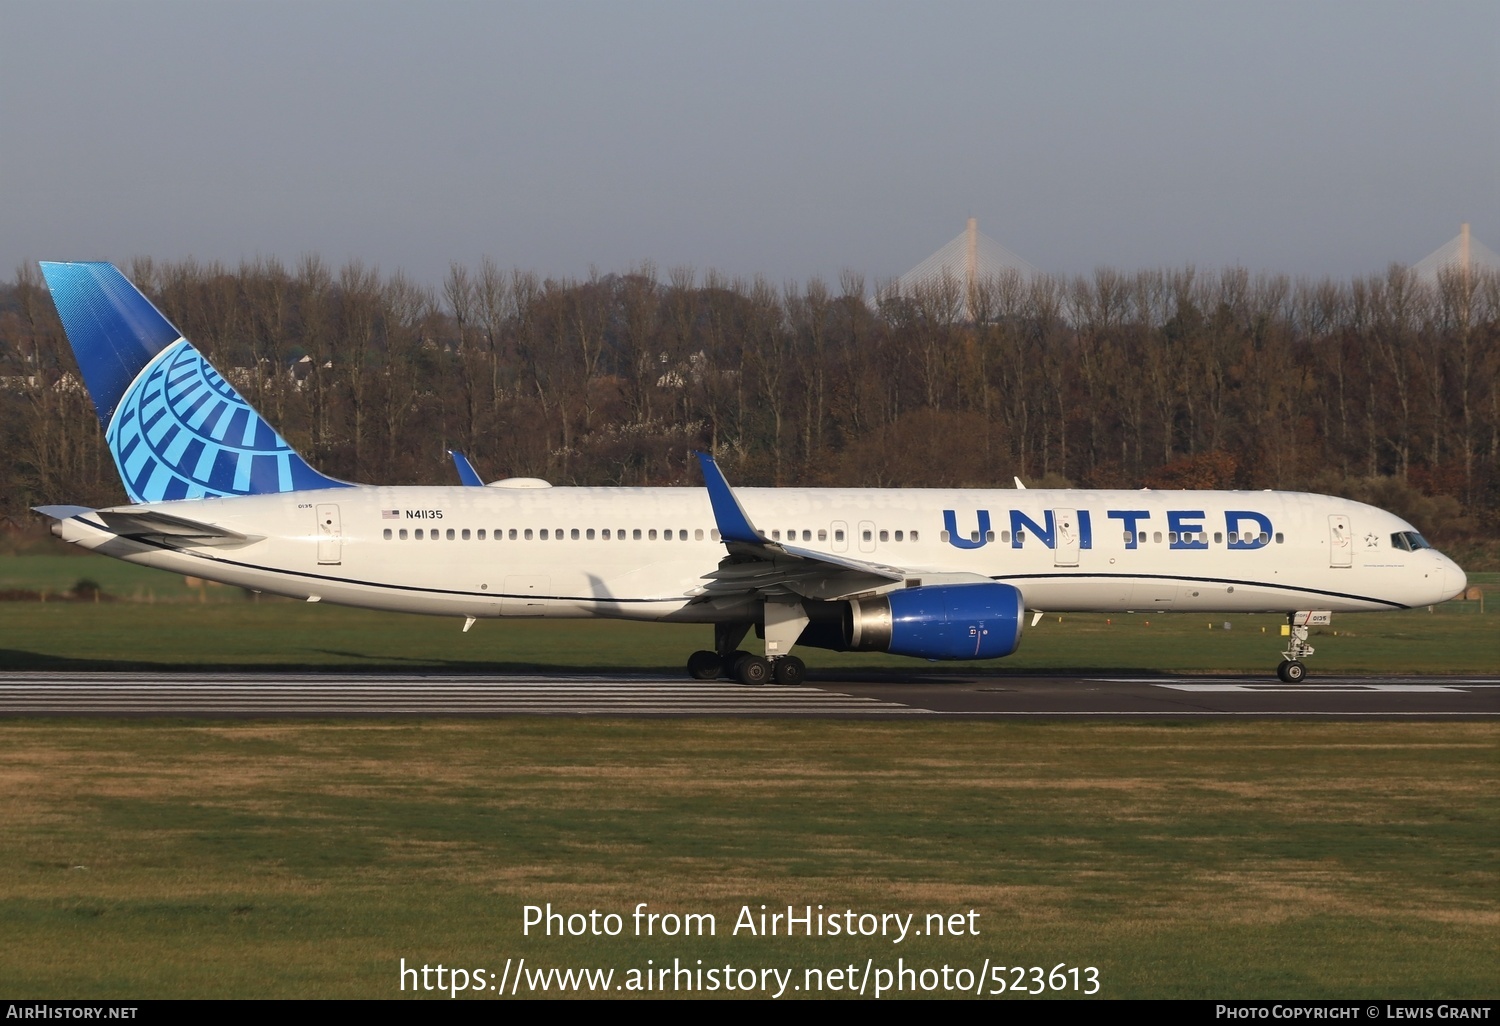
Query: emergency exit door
pixel 1065 523
pixel 330 534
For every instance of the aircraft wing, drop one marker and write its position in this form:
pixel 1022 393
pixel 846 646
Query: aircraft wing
pixel 151 526
pixel 756 566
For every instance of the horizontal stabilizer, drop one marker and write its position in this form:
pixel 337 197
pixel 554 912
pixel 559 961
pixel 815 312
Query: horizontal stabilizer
pixel 62 512
pixel 166 529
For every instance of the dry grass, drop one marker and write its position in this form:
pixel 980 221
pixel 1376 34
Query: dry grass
pixel 302 858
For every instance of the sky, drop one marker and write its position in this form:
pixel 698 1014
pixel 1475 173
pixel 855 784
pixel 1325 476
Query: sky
pixel 786 139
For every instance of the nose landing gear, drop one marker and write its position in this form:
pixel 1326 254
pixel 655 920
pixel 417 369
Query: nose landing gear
pixel 1292 670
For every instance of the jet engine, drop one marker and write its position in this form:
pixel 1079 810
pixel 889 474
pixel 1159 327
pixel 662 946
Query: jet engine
pixel 942 621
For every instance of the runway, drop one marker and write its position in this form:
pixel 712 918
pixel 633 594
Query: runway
pixel 874 697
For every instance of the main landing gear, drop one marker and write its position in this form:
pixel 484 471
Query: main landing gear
pixel 746 667
pixel 784 623
pixel 1292 670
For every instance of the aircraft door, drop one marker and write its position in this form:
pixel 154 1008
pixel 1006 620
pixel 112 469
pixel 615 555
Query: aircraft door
pixel 1066 539
pixel 1340 541
pixel 867 536
pixel 330 534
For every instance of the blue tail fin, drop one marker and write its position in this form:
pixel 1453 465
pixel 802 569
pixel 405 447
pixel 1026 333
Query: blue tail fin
pixel 176 428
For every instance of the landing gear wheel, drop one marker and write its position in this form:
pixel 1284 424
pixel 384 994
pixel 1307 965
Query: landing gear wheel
pixel 704 665
pixel 1291 671
pixel 752 669
pixel 789 670
pixel 731 665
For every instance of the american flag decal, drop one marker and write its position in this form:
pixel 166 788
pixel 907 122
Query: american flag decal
pixel 390 514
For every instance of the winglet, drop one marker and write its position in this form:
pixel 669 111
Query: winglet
pixel 466 473
pixel 734 525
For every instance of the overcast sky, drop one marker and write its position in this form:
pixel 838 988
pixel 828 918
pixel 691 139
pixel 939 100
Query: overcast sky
pixel 786 139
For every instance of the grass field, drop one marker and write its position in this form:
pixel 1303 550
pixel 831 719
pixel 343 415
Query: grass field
pixel 306 859
pixel 1456 637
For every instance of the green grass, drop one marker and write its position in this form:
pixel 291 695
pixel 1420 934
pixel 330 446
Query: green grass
pixel 56 574
pixel 1454 638
pixel 304 860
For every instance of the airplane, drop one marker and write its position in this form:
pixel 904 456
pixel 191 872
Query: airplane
pixel 938 574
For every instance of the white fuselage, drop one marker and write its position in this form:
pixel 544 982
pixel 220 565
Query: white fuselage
pixel 643 553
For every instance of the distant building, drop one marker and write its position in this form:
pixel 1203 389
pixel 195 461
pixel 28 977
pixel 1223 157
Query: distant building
pixel 1462 253
pixel 970 258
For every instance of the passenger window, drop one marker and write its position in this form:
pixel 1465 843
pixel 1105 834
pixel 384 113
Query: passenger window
pixel 865 536
pixel 1264 537
pixel 885 536
pixel 433 534
pixel 1171 537
pixel 636 534
pixel 714 533
pixel 589 534
pixel 1127 537
pixel 807 535
pixel 989 536
pixel 1156 537
pixel 481 534
pixel 914 536
pixel 575 534
pixel 942 536
pixel 466 534
pixel 898 536
pixel 1005 537
pixel 1021 537
pixel 544 534
pixel 775 535
pixel 513 534
pixel 1280 537
pixel 682 534
pixel 1141 538
pixel 823 535
pixel 1218 537
pixel 387 534
pixel 403 534
pixel 651 534
pixel 698 534
pixel 419 534
pixel 528 534
pixel 604 534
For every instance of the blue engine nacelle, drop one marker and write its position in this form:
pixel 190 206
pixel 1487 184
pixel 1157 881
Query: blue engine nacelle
pixel 943 621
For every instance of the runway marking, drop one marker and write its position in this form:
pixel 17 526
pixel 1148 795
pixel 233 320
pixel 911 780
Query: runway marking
pixel 582 695
pixel 1302 689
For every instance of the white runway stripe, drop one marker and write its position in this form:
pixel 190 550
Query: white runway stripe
pixel 233 695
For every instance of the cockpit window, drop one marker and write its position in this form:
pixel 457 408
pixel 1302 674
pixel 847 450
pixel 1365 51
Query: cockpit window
pixel 1409 541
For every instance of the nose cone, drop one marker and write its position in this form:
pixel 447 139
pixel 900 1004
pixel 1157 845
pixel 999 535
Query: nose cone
pixel 1453 582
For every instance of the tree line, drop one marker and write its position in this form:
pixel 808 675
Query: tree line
pixel 1384 388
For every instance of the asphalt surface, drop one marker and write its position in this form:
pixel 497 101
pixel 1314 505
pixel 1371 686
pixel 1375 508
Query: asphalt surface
pixel 1101 697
